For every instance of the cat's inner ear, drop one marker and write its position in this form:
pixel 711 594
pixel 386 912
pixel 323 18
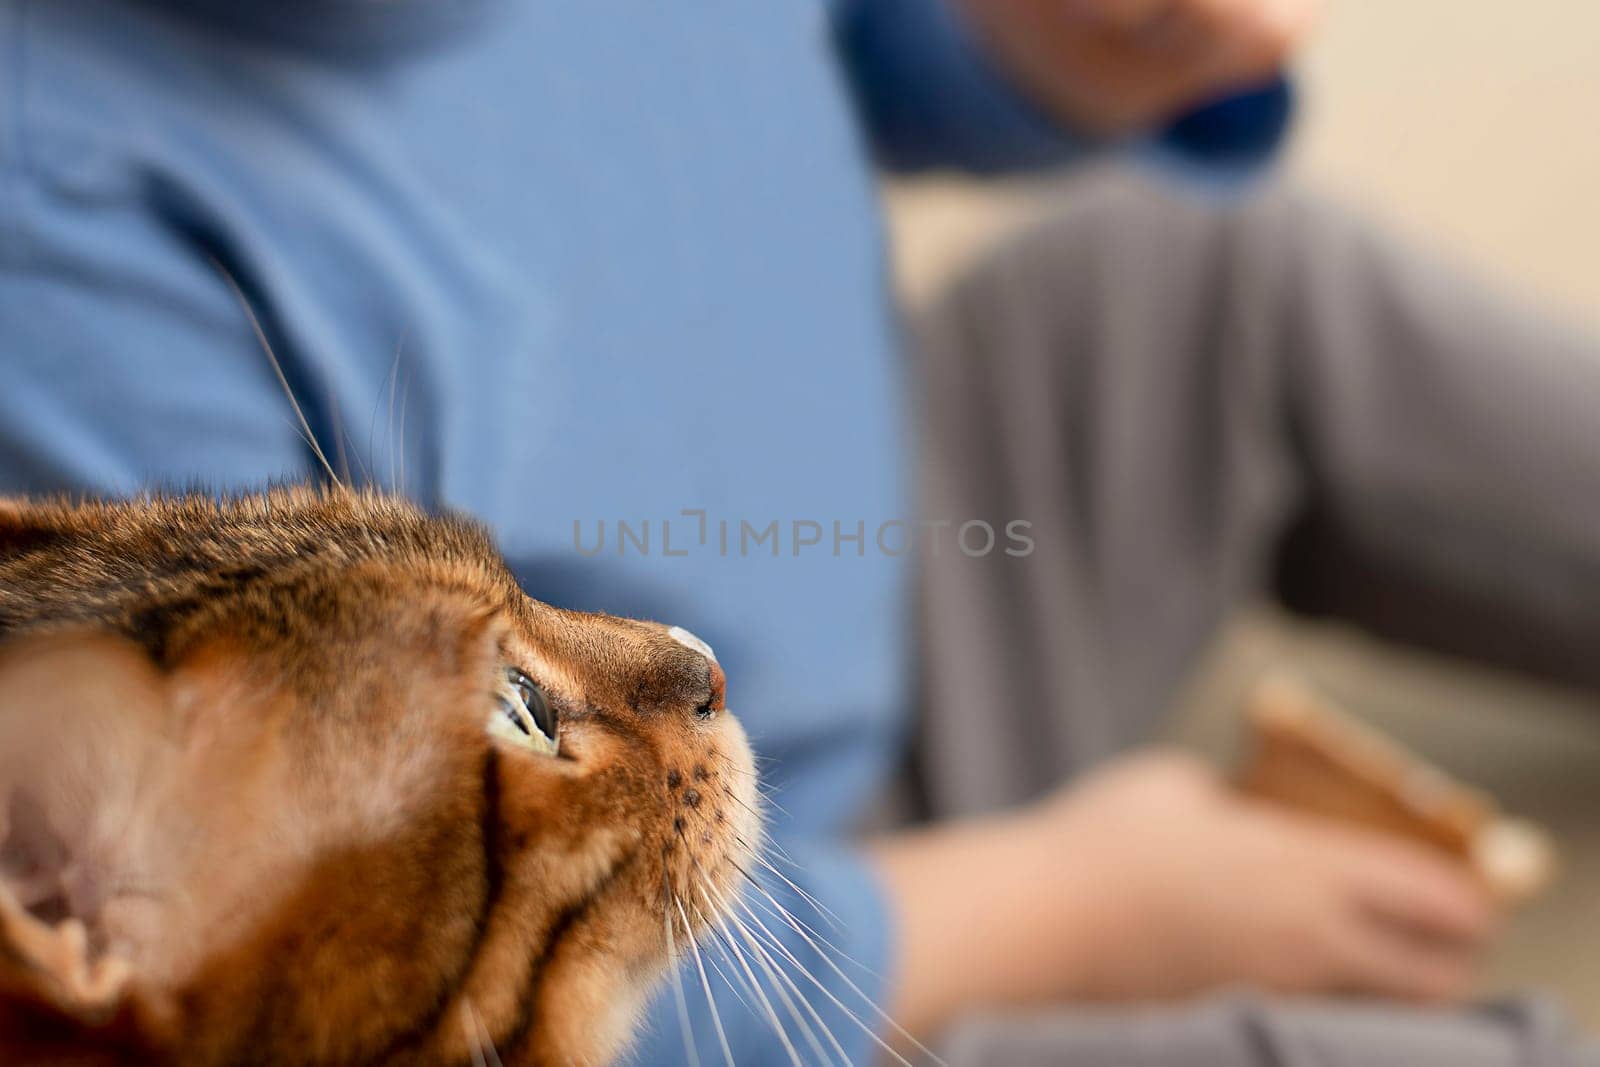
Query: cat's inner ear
pixel 77 716
pixel 80 715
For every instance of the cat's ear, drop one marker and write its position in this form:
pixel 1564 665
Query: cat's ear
pixel 59 1002
pixel 47 969
pixel 61 999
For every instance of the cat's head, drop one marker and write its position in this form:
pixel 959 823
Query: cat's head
pixel 335 789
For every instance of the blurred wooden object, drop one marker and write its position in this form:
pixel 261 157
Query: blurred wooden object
pixel 1305 753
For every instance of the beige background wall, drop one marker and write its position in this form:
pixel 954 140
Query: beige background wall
pixel 1474 124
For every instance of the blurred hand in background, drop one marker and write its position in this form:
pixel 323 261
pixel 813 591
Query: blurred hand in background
pixel 1152 879
pixel 1109 67
pixel 1182 884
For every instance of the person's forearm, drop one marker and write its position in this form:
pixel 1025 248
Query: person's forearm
pixel 968 906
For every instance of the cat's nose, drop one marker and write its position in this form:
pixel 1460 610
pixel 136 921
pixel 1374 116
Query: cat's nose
pixel 719 692
pixel 717 680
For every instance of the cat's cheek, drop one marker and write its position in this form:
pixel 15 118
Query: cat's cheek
pixel 741 843
pixel 575 810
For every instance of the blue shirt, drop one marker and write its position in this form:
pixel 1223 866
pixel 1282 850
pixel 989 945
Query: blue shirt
pixel 565 265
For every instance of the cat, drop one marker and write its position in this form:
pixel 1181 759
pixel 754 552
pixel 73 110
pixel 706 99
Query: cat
pixel 304 777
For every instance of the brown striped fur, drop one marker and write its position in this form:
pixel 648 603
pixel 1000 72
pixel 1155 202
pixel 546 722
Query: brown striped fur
pixel 250 812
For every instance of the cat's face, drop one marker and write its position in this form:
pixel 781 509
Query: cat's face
pixel 323 785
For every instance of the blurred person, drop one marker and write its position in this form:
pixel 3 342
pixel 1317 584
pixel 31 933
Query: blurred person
pixel 556 264
pixel 1196 406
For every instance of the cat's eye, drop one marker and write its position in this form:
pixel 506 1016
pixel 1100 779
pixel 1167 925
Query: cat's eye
pixel 523 714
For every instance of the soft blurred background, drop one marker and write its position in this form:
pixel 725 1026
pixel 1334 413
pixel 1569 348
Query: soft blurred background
pixel 1471 125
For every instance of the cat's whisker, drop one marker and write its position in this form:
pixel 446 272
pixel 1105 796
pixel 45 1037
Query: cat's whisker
pixel 776 978
pixel 782 853
pixel 765 799
pixel 778 910
pixel 871 1032
pixel 800 927
pixel 483 1050
pixel 705 983
pixel 405 394
pixel 774 969
pixel 731 767
pixel 339 452
pixel 755 986
pixel 733 980
pixel 488 1043
pixel 787 916
pixel 737 799
pixel 817 905
pixel 770 800
pixel 747 772
pixel 478 1058
pixel 740 800
pixel 394 377
pixel 771 1012
pixel 377 402
pixel 823 956
pixel 756 944
pixel 277 368
pixel 675 965
pixel 366 475
pixel 715 926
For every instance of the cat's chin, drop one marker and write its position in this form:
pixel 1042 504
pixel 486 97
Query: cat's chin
pixel 591 1003
pixel 656 908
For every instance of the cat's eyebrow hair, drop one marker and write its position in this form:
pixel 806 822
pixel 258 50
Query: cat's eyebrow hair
pixel 277 368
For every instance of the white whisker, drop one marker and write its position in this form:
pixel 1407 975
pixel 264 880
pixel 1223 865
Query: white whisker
pixel 277 368
pixel 479 1034
pixel 825 991
pixel 674 964
pixel 405 395
pixel 787 917
pixel 817 905
pixel 734 981
pixel 783 854
pixel 776 978
pixel 766 1005
pixel 394 376
pixel 705 984
pixel 775 972
pixel 476 1044
pixel 823 956
pixel 339 452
